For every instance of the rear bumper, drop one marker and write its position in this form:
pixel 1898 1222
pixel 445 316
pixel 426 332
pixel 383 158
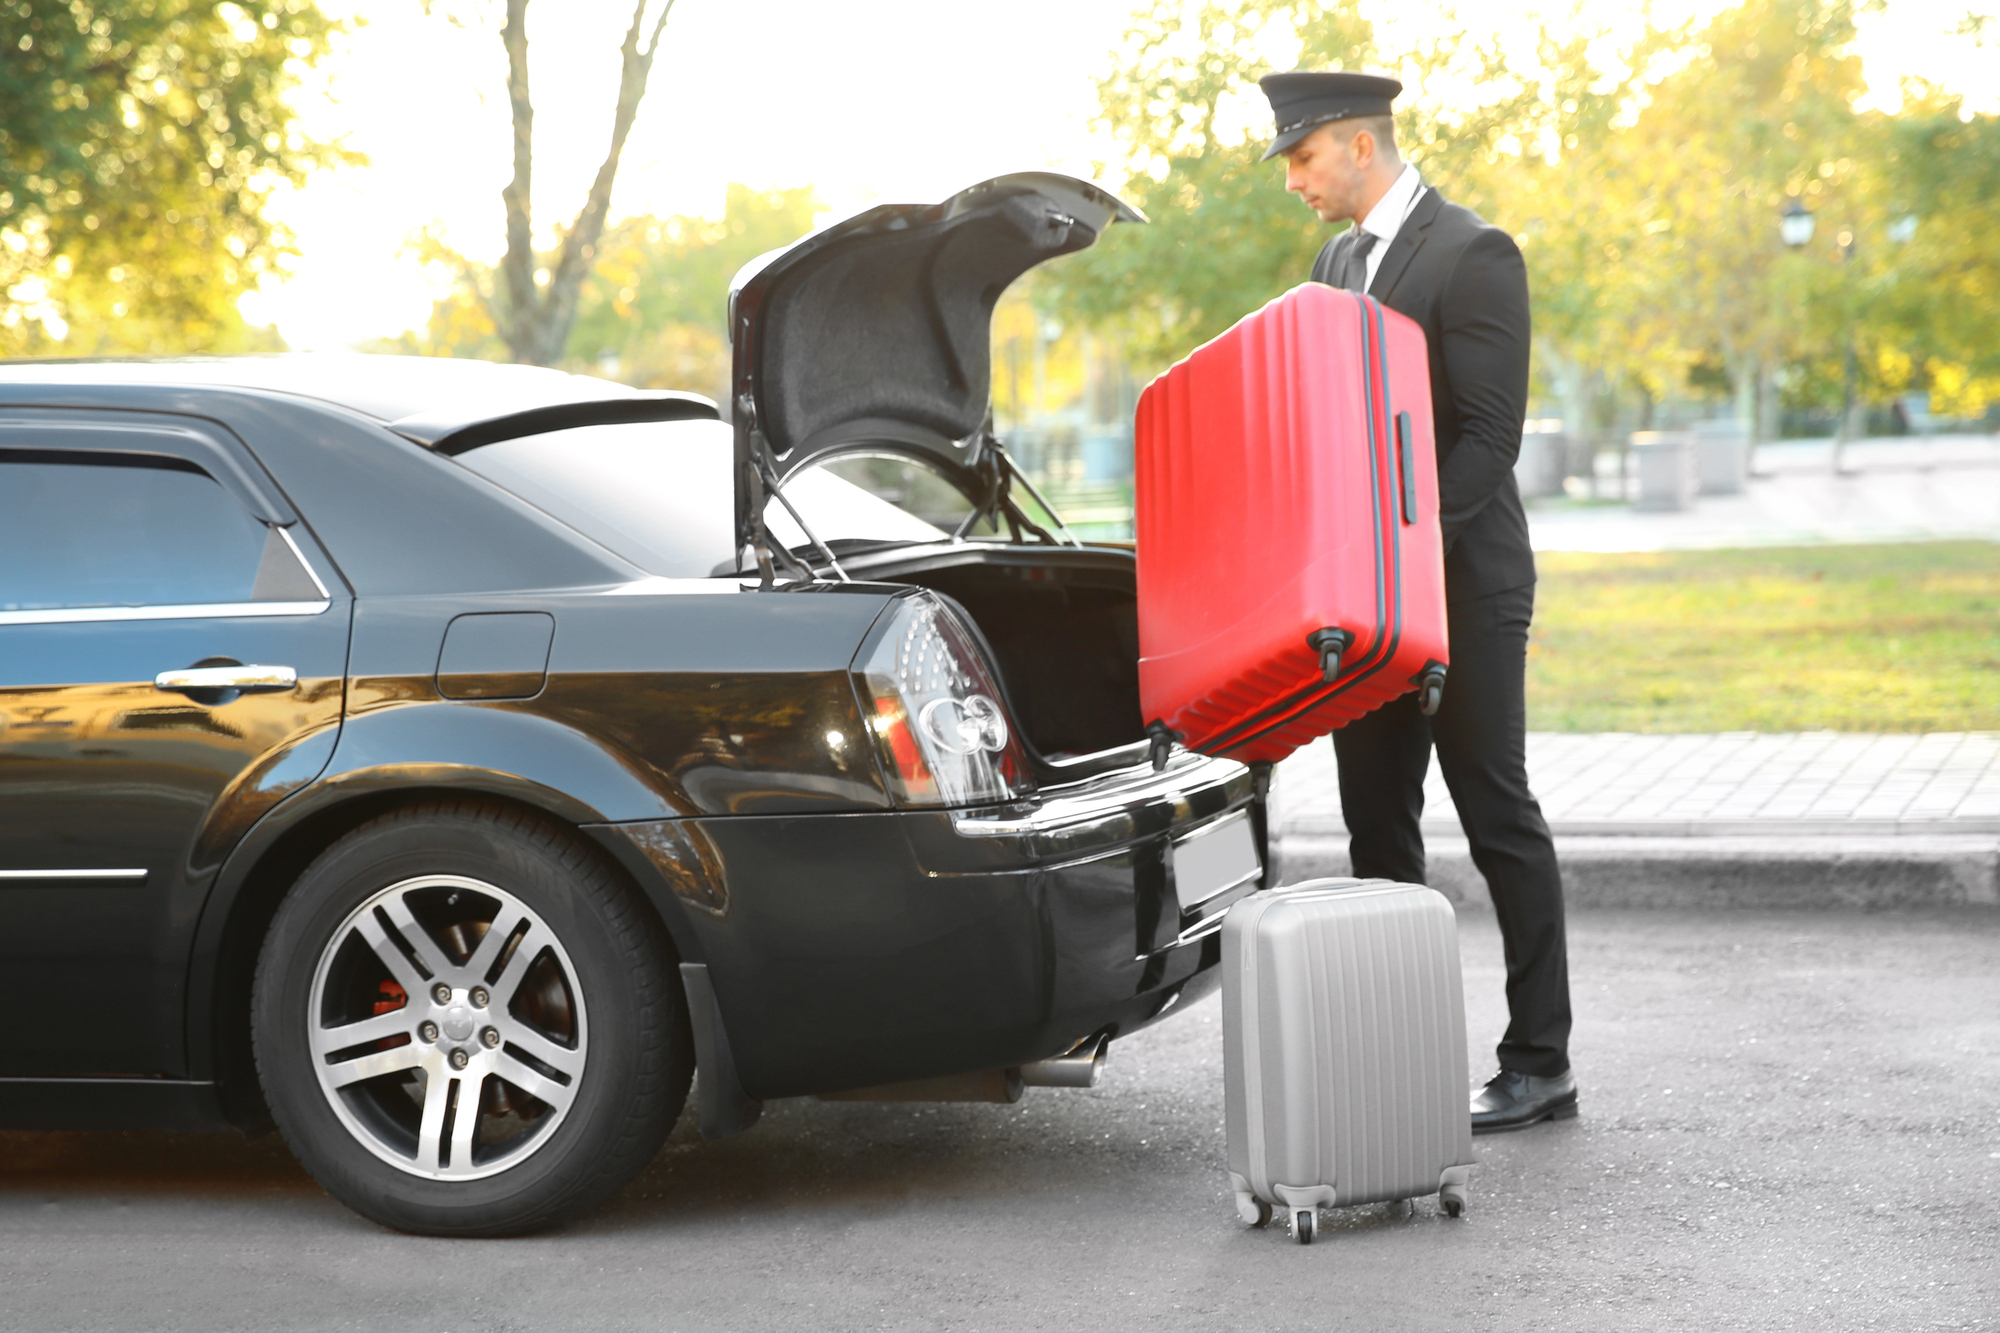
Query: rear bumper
pixel 859 949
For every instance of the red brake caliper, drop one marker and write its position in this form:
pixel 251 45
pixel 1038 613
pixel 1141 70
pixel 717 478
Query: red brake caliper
pixel 389 999
pixel 393 997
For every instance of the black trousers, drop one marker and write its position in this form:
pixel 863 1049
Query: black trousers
pixel 1480 734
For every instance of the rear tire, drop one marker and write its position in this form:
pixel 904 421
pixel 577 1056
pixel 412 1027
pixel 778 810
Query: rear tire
pixel 383 1016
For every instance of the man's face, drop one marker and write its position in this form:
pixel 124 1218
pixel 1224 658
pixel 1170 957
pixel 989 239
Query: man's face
pixel 1325 170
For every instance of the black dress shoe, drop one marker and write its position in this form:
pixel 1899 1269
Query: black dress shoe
pixel 1515 1101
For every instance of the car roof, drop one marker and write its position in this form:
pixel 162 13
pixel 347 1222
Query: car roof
pixel 387 388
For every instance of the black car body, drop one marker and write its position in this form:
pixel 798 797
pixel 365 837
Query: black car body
pixel 690 697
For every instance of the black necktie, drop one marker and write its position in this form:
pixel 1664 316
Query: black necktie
pixel 1355 276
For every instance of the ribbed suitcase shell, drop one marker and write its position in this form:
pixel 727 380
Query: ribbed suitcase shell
pixel 1344 1045
pixel 1275 498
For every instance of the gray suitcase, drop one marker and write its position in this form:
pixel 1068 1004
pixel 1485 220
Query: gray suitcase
pixel 1343 1049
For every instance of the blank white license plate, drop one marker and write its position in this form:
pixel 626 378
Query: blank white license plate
pixel 1215 860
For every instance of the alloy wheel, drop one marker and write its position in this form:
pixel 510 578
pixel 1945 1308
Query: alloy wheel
pixel 447 1028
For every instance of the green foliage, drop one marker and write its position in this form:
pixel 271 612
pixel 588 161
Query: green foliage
pixel 1940 177
pixel 461 322
pixel 1224 237
pixel 1643 183
pixel 1762 112
pixel 139 141
pixel 653 311
pixel 1845 638
pixel 657 299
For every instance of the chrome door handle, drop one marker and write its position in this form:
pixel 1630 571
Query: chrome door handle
pixel 242 679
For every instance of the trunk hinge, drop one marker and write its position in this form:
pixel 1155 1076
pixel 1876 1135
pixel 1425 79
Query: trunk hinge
pixel 998 473
pixel 762 483
pixel 777 492
pixel 1015 474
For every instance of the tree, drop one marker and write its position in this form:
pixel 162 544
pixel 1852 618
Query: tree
pixel 656 303
pixel 1762 111
pixel 1225 237
pixel 1644 185
pixel 1667 268
pixel 1934 304
pixel 651 312
pixel 139 142
pixel 540 303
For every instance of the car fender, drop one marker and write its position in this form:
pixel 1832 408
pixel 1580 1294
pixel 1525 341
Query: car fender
pixel 494 748
pixel 418 749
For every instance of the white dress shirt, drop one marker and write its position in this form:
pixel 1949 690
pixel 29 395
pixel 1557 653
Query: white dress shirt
pixel 1386 218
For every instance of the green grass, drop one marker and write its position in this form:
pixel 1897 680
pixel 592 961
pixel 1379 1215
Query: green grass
pixel 1841 638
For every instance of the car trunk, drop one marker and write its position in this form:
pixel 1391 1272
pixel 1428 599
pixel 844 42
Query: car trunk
pixel 1062 626
pixel 872 338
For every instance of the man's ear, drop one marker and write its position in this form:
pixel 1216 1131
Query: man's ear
pixel 1362 148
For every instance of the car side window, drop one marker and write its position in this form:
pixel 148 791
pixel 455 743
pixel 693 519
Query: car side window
pixel 96 529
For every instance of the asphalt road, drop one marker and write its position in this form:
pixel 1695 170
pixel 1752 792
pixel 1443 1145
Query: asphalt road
pixel 1789 1121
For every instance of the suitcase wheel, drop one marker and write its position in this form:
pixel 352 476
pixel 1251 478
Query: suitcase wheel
pixel 1330 643
pixel 1304 1222
pixel 1253 1210
pixel 1453 1199
pixel 1430 689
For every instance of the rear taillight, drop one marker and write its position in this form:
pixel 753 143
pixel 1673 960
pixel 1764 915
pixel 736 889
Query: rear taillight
pixel 940 728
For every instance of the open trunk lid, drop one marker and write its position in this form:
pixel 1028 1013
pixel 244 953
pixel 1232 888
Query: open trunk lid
pixel 873 335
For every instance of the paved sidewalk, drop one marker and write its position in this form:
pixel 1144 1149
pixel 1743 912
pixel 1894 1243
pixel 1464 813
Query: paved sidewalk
pixel 1909 488
pixel 1804 784
pixel 1738 819
pixel 1742 820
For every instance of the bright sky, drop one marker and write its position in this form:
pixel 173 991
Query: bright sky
pixel 899 100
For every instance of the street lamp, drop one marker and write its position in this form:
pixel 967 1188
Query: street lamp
pixel 1847 429
pixel 1795 228
pixel 1795 224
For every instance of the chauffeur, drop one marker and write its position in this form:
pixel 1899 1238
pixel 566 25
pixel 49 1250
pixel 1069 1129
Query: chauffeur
pixel 1464 283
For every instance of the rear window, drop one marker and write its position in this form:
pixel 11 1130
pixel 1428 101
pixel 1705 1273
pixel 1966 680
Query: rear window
pixel 660 494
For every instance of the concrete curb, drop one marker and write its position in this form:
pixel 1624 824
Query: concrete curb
pixel 1877 873
pixel 1449 827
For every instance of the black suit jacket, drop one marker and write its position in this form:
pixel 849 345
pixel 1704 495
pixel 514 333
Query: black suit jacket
pixel 1465 285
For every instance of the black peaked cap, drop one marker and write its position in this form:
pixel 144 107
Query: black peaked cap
pixel 1305 99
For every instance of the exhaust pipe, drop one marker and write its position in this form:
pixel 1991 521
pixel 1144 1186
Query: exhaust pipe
pixel 1076 1068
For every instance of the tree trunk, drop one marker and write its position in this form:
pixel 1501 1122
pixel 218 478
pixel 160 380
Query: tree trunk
pixel 1743 375
pixel 1576 390
pixel 517 270
pixel 1768 405
pixel 540 306
pixel 1853 407
pixel 1572 385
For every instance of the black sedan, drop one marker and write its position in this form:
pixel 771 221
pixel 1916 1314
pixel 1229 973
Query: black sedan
pixel 442 761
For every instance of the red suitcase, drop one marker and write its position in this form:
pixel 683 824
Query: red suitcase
pixel 1291 574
